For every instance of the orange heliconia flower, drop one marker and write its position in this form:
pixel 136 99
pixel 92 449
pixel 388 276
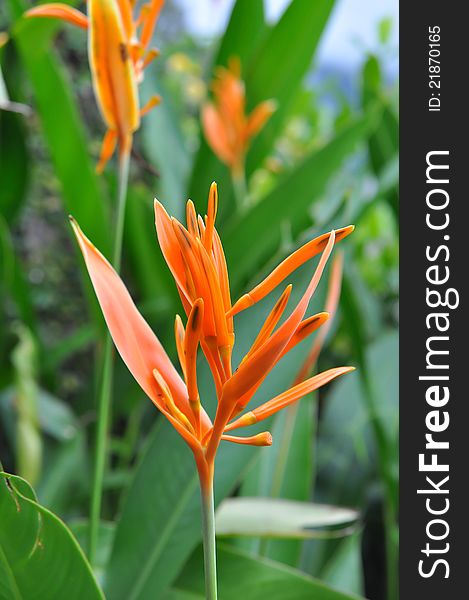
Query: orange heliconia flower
pixel 196 259
pixel 227 128
pixel 117 60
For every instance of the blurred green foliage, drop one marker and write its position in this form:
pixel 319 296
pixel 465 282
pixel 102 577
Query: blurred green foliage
pixel 319 164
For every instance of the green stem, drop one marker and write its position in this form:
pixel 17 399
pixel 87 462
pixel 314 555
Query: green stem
pixel 240 189
pixel 104 402
pixel 208 534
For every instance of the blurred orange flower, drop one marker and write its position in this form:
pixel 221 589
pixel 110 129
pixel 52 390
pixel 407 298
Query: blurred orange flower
pixel 117 60
pixel 196 259
pixel 227 128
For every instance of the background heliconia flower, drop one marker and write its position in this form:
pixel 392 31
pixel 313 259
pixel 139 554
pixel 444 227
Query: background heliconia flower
pixel 117 60
pixel 197 262
pixel 227 128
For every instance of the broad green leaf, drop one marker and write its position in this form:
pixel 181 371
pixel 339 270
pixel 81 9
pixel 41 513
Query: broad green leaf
pixel 243 576
pixel 245 29
pixel 14 165
pixel 344 569
pixel 289 203
pixel 274 517
pixel 106 531
pixel 279 67
pixel 13 284
pixel 165 148
pixel 39 557
pixel 243 34
pixel 285 472
pixel 345 437
pixel 383 142
pixel 147 263
pixel 61 124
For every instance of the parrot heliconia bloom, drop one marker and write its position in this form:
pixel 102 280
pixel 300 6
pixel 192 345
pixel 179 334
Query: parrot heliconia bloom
pixel 117 57
pixel 227 128
pixel 196 259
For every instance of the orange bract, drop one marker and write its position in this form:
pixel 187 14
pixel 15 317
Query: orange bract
pixel 117 60
pixel 227 128
pixel 196 259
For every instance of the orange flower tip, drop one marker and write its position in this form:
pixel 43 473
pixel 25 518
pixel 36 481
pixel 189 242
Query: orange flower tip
pixel 261 439
pixel 245 420
pixel 244 302
pixel 197 313
pixel 58 10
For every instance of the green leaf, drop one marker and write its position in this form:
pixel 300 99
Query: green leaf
pixel 285 472
pixel 383 142
pixel 344 569
pixel 148 265
pixel 165 147
pixel 39 557
pixel 246 28
pixel 345 444
pixel 62 127
pixel 106 531
pixel 14 165
pixel 289 202
pixel 279 67
pixel 273 517
pixel 243 576
pixel 12 280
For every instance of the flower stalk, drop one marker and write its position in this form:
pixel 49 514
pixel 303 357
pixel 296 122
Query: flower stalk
pixel 105 393
pixel 208 536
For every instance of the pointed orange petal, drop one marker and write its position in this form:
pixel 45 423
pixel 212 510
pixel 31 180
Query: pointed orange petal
pixel 150 57
pixel 125 9
pixel 149 20
pixel 215 134
pixel 189 251
pixel 191 219
pixel 259 117
pixel 332 301
pixel 223 339
pixel 170 248
pixel 292 395
pixel 150 105
pixel 59 11
pixel 261 439
pixel 306 328
pixel 107 149
pixel 270 322
pixel 222 271
pixel 290 264
pixel 211 216
pixel 191 343
pixel 138 346
pixel 179 334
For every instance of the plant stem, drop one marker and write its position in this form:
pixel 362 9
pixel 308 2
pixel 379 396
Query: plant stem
pixel 240 189
pixel 104 402
pixel 208 533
